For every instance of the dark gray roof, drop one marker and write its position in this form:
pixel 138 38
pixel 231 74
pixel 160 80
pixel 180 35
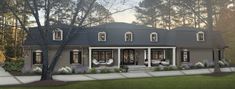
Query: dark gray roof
pixel 179 37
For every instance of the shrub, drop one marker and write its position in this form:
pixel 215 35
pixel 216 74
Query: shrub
pixel 199 65
pixel 124 68
pixel 221 63
pixel 157 69
pixel 14 65
pixel 173 67
pixel 93 71
pixel 65 70
pixel 105 70
pixel 37 70
pixel 185 66
pixel 179 67
pixel 117 70
pixel 168 68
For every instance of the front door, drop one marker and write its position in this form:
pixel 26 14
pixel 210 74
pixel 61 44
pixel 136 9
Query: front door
pixel 128 57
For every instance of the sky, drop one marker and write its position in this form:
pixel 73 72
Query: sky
pixel 127 16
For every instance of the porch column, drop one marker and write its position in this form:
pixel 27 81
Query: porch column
pixel 119 57
pixel 173 57
pixel 164 52
pixel 90 58
pixel 149 57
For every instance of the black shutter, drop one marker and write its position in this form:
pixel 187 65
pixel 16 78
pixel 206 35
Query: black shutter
pixel 80 57
pixel 219 54
pixel 213 55
pixel 71 57
pixel 41 57
pixel 182 56
pixel 188 56
pixel 34 57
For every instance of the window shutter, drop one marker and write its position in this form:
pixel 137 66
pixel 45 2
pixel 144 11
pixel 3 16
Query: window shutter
pixel 79 57
pixel 34 57
pixel 41 57
pixel 182 56
pixel 188 54
pixel 71 57
pixel 219 54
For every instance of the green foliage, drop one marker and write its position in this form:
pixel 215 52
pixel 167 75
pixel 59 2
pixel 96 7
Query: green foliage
pixel 168 68
pixel 14 65
pixel 105 70
pixel 124 68
pixel 157 69
pixel 117 70
pixel 93 71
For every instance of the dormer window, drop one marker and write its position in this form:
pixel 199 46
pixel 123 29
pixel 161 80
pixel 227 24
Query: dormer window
pixel 58 34
pixel 153 37
pixel 102 36
pixel 200 36
pixel 128 37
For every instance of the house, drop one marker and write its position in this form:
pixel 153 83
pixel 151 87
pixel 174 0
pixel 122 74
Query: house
pixel 116 44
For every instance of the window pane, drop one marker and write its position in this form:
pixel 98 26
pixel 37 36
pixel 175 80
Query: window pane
pixel 128 37
pixel 154 37
pixel 95 55
pixel 102 37
pixel 38 57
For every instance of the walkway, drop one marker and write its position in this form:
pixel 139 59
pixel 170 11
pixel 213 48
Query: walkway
pixel 12 80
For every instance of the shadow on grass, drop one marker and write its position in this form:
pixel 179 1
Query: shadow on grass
pixel 221 74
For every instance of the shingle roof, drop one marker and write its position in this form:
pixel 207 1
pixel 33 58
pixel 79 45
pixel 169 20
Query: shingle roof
pixel 179 37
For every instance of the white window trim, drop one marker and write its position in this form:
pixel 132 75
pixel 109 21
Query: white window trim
pixel 131 36
pixel 99 34
pixel 151 35
pixel 61 31
pixel 198 36
pixel 77 53
pixel 38 51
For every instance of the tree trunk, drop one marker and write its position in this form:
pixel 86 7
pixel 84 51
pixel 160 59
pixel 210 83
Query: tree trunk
pixel 210 27
pixel 46 75
pixel 216 60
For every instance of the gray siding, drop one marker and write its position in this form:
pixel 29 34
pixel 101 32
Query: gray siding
pixel 196 55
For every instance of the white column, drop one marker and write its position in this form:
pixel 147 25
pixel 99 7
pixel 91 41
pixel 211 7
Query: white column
pixel 173 57
pixel 149 57
pixel 90 61
pixel 119 57
pixel 164 52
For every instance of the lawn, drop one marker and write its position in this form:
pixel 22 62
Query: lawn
pixel 179 82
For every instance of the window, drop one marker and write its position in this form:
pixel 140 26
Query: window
pixel 185 56
pixel 200 36
pixel 37 57
pixel 75 57
pixel 153 37
pixel 128 36
pixel 101 36
pixel 102 56
pixel 155 54
pixel 58 35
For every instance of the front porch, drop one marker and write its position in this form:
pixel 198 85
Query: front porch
pixel 131 56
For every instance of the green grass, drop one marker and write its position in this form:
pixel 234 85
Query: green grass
pixel 180 82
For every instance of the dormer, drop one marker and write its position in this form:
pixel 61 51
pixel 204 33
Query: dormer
pixel 200 36
pixel 57 34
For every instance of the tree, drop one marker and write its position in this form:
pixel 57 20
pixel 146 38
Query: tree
pixel 78 17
